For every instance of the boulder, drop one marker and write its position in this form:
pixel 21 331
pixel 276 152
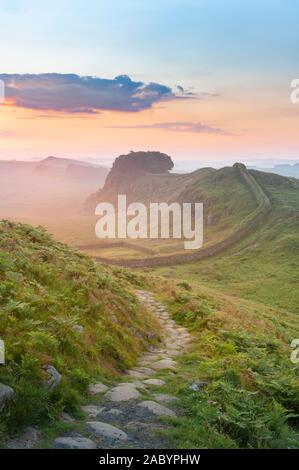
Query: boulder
pixel 100 429
pixel 122 393
pixel 156 408
pixel 54 378
pixel 96 388
pixel 6 394
pixel 28 440
pixel 197 385
pixel 154 382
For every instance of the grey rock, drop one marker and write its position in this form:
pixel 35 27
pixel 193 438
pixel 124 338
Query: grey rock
pixel 28 440
pixel 114 412
pixel 123 392
pixel 92 410
pixel 66 418
pixel 74 443
pixel 96 388
pixel 78 329
pixel 154 382
pixel 141 372
pixel 100 429
pixel 156 408
pixel 164 364
pixel 164 398
pixel 197 385
pixel 54 378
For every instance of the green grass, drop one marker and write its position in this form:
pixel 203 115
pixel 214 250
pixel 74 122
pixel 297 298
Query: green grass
pixel 263 266
pixel 46 290
pixel 242 349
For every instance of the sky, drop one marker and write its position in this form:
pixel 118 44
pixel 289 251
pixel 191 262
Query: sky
pixel 200 80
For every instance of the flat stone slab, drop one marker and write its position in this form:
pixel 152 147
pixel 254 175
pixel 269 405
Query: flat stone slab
pixel 96 388
pixel 135 384
pixel 100 429
pixel 164 398
pixel 141 372
pixel 74 443
pixel 156 408
pixel 92 410
pixel 150 359
pixel 154 382
pixel 165 364
pixel 123 393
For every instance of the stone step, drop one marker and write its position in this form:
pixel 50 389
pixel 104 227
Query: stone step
pixel 101 429
pixel 156 408
pixel 74 443
pixel 122 393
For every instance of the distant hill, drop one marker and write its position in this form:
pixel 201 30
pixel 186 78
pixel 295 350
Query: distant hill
pixel 224 193
pixel 71 169
pixel 58 162
pixel 51 179
pixel 283 169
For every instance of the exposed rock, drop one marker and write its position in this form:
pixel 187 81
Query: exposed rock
pixel 197 385
pixel 78 329
pixel 125 169
pixel 66 418
pixel 92 410
pixel 135 384
pixel 113 411
pixel 74 443
pixel 141 372
pixel 136 374
pixel 106 430
pixel 6 394
pixel 156 408
pixel 96 388
pixel 155 382
pixel 164 364
pixel 123 392
pixel 54 378
pixel 28 440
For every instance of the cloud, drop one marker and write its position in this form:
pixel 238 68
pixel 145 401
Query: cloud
pixel 181 126
pixel 84 94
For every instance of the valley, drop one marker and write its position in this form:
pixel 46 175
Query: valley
pixel 221 326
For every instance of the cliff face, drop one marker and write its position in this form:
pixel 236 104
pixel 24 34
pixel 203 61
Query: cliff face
pixel 126 170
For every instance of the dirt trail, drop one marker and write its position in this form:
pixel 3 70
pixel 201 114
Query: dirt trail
pixel 127 416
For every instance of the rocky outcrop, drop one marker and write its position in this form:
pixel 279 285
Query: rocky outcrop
pixel 125 170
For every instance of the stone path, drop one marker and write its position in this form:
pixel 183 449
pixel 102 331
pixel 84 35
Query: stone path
pixel 127 414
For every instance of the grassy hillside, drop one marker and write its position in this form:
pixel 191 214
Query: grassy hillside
pixel 265 265
pixel 59 308
pixel 227 203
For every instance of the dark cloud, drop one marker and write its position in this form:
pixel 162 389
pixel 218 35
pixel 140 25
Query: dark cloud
pixel 84 94
pixel 183 126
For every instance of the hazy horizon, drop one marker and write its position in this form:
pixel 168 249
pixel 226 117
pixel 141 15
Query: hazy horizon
pixel 200 81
